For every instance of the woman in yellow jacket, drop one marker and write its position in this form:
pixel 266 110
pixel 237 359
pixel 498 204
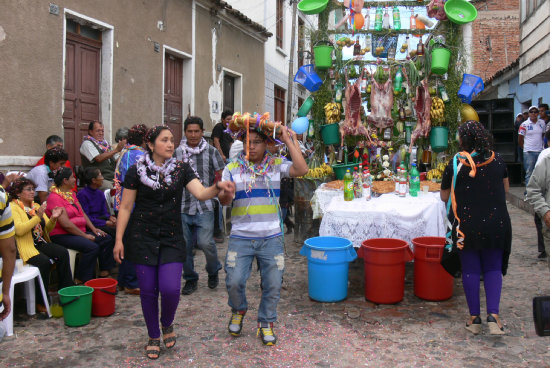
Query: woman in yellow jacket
pixel 31 235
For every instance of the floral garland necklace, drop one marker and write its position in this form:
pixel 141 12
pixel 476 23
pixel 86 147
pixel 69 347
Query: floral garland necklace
pixel 164 171
pixel 189 151
pixel 102 144
pixel 68 196
pixel 255 170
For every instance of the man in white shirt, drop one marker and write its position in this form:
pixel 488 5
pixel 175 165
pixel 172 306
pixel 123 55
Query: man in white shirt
pixel 95 151
pixel 530 138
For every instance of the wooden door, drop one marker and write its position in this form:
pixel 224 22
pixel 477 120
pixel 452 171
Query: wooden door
pixel 173 81
pixel 279 102
pixel 82 63
pixel 228 93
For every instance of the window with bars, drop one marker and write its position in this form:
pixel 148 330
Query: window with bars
pixel 279 31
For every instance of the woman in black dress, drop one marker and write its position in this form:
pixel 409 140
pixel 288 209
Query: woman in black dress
pixel 481 225
pixel 150 235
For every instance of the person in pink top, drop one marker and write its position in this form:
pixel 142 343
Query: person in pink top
pixel 74 230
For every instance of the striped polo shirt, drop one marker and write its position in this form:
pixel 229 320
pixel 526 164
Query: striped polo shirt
pixel 255 209
pixel 6 220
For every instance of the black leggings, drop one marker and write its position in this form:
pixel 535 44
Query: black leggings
pixel 51 253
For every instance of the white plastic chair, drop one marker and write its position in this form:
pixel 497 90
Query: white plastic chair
pixel 27 275
pixel 72 259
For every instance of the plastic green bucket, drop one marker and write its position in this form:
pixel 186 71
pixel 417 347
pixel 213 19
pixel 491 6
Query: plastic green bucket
pixel 439 137
pixel 77 305
pixel 440 60
pixel 340 170
pixel 306 107
pixel 323 56
pixel 330 133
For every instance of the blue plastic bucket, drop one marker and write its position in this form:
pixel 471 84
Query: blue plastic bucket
pixel 471 85
pixel 307 77
pixel 328 264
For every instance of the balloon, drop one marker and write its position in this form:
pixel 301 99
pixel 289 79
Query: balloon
pixel 300 125
pixel 358 21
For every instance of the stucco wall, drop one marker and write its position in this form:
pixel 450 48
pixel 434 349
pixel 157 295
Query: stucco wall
pixel 234 50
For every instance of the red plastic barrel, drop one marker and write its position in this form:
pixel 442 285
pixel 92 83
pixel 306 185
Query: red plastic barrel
pixel 431 281
pixel 385 269
pixel 103 298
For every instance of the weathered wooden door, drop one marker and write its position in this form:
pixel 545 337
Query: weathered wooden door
pixel 82 62
pixel 228 93
pixel 173 80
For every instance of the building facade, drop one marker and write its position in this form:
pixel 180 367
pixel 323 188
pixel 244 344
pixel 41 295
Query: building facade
pixel 534 61
pixel 68 62
pixel 276 17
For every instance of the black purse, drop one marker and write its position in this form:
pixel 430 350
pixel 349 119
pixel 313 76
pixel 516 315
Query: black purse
pixel 450 260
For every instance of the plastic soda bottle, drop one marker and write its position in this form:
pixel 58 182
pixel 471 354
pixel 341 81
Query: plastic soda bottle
pixel 378 19
pixel 415 181
pixel 366 185
pixel 396 18
pixel 357 184
pixel 403 184
pixel 348 186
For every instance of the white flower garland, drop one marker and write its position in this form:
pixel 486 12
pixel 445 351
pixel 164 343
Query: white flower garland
pixel 165 170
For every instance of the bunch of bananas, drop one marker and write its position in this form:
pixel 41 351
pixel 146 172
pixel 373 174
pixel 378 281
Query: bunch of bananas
pixel 332 112
pixel 438 110
pixel 319 172
pixel 434 174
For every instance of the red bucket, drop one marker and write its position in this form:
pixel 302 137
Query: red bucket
pixel 431 281
pixel 385 269
pixel 103 298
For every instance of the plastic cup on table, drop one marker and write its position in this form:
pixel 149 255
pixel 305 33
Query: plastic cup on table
pixel 425 189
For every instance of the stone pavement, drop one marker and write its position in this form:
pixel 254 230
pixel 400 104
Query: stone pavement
pixel 351 333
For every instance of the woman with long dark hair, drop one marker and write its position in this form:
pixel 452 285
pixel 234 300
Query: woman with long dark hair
pixel 151 235
pixel 476 182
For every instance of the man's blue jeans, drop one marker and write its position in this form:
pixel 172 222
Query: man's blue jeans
pixel 529 161
pixel 238 264
pixel 204 224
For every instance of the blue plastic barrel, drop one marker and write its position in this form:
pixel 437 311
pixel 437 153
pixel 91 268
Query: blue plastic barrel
pixel 328 264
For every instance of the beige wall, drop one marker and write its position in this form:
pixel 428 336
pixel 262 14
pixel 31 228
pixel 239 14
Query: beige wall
pixel 31 56
pixel 236 51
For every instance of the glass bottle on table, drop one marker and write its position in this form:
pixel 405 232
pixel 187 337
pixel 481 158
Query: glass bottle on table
pixel 403 184
pixel 413 22
pixel 357 184
pixel 386 19
pixel 348 186
pixel 366 185
pixel 367 20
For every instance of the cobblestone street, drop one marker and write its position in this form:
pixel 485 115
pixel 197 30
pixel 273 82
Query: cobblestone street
pixel 311 334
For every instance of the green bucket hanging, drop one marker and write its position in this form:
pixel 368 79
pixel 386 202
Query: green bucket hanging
pixel 330 133
pixel 440 60
pixel 439 138
pixel 322 55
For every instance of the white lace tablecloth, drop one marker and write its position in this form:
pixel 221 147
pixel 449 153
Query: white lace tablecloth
pixel 388 216
pixel 321 199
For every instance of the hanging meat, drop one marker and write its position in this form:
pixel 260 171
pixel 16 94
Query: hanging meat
pixel 423 105
pixel 353 124
pixel 381 103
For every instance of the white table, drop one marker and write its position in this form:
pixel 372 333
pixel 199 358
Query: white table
pixel 388 216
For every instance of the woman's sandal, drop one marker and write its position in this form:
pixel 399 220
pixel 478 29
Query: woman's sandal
pixel 169 340
pixel 494 328
pixel 153 353
pixel 475 326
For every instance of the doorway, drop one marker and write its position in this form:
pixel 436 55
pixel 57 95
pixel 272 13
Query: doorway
pixel 173 101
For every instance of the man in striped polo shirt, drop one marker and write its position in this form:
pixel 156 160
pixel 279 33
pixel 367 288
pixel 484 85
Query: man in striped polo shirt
pixel 256 228
pixel 197 215
pixel 7 251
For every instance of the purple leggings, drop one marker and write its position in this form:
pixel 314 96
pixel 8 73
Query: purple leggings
pixel 474 263
pixel 165 278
